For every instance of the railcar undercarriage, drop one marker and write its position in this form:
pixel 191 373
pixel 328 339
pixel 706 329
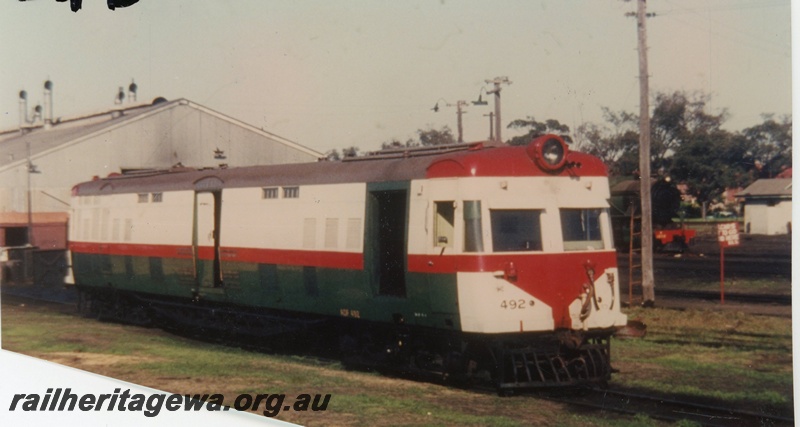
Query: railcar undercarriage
pixel 507 362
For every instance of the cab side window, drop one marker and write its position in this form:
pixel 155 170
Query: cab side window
pixel 444 224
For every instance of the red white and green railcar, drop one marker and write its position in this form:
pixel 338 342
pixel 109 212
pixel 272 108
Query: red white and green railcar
pixel 471 260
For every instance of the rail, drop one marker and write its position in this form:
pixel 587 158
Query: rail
pixel 669 409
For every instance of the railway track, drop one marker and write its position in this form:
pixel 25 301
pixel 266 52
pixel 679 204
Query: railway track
pixel 668 409
pixel 738 297
pixel 695 266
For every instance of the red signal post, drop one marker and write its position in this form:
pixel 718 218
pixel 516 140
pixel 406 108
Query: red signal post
pixel 727 235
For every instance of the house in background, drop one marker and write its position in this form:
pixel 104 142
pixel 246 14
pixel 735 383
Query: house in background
pixel 45 157
pixel 768 206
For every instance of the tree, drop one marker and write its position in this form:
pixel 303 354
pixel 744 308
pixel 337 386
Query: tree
pixel 394 143
pixel 691 144
pixel 677 117
pixel 770 145
pixel 710 162
pixel 427 137
pixel 443 136
pixel 350 152
pixel 333 155
pixel 537 129
pixel 710 159
pixel 616 145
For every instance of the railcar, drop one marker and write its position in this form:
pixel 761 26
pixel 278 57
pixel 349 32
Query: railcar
pixel 473 261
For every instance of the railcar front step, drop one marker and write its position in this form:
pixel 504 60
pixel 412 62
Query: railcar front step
pixel 525 368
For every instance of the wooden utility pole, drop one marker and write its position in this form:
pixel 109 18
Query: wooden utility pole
pixel 648 281
pixel 459 112
pixel 497 81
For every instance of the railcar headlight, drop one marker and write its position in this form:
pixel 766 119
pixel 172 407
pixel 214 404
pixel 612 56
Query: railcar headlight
pixel 552 152
pixel 549 152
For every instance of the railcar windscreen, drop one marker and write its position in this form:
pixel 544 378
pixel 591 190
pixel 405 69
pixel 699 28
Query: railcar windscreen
pixel 581 229
pixel 516 230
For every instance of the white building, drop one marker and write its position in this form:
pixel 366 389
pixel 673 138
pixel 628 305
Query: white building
pixel 768 206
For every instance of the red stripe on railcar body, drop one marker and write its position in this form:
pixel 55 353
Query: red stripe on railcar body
pixel 148 250
pixel 325 259
pixel 340 260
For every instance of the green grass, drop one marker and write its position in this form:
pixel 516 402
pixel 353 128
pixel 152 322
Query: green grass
pixel 370 406
pixel 156 359
pixel 731 357
pixel 727 356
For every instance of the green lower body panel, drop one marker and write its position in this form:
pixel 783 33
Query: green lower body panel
pixel 430 299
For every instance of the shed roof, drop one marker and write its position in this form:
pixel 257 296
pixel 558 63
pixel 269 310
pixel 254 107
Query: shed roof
pixel 14 144
pixel 768 188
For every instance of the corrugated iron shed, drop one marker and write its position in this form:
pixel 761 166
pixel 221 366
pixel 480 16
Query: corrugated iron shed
pixel 14 144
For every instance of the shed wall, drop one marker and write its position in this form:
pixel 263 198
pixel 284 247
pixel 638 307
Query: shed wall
pixel 768 217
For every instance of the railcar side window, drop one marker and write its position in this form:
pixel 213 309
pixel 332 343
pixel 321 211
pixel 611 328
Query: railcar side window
pixel 444 225
pixel 291 192
pixel 581 229
pixel 516 230
pixel 142 197
pixel 473 230
pixel 157 197
pixel 269 193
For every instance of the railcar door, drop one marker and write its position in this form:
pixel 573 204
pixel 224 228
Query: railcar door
pixel 386 241
pixel 205 241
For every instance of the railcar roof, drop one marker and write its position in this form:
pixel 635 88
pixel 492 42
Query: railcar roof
pixel 474 160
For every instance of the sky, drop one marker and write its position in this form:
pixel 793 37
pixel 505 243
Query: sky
pixel 335 74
